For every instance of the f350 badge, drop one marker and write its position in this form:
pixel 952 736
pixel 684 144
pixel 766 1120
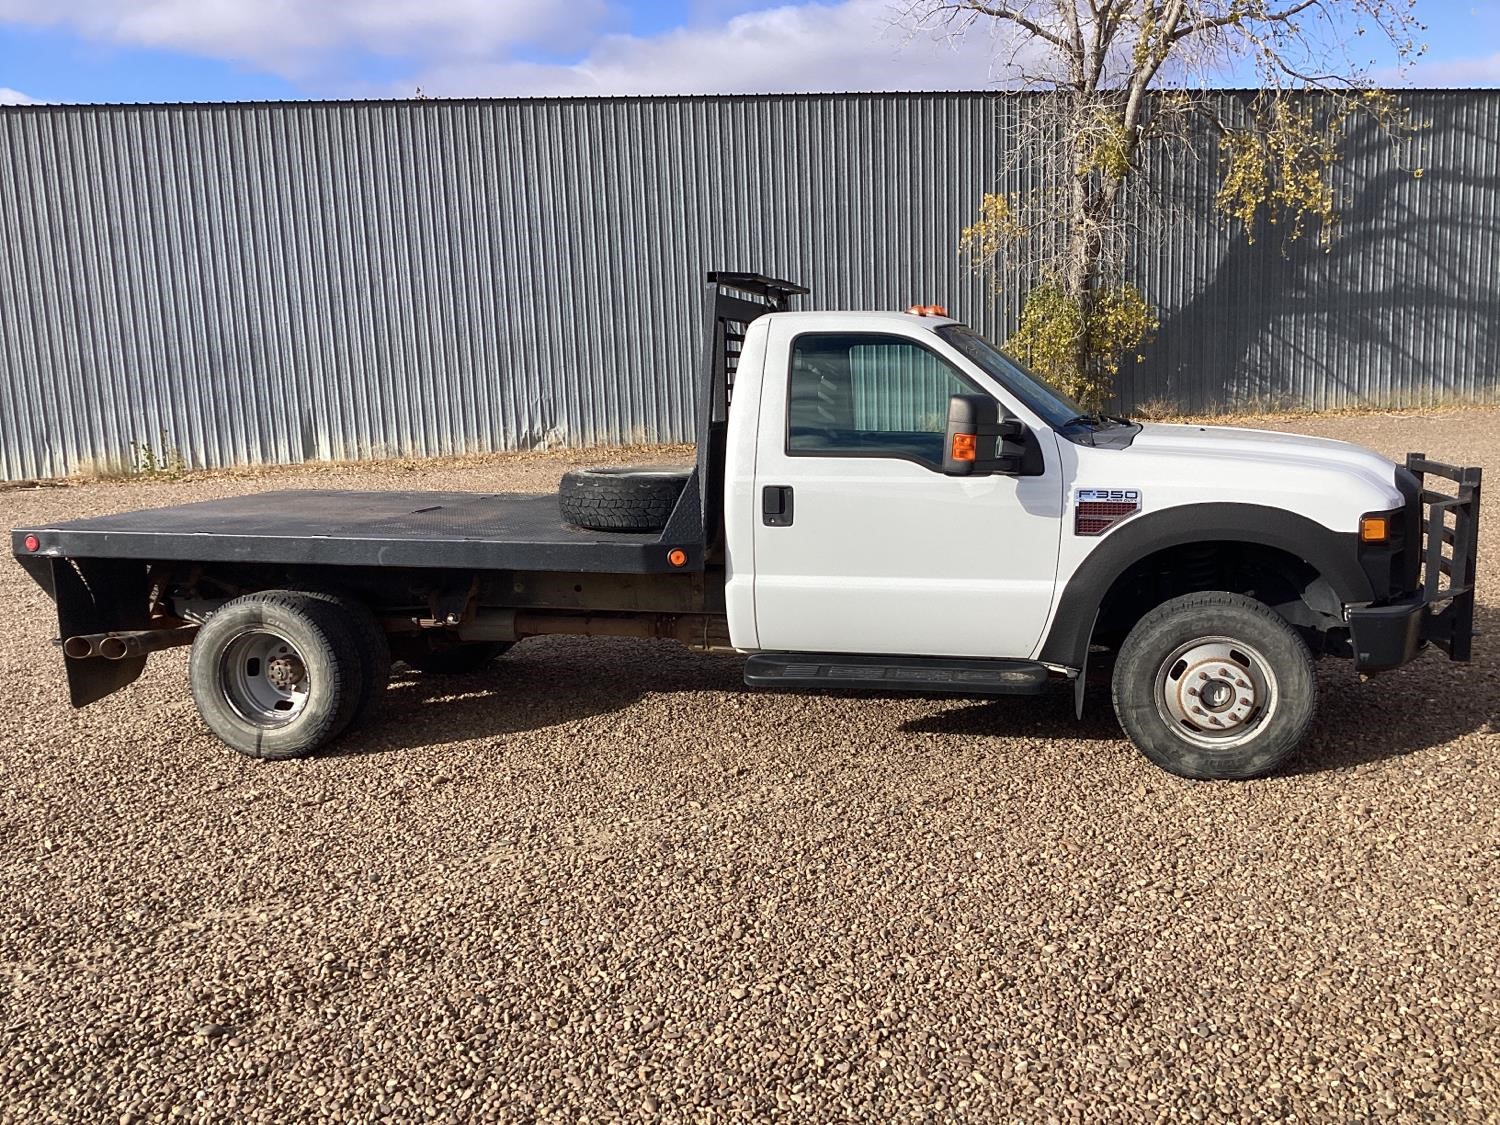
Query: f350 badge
pixel 1096 510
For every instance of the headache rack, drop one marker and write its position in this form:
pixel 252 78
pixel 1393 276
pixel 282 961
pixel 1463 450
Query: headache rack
pixel 1449 550
pixel 733 301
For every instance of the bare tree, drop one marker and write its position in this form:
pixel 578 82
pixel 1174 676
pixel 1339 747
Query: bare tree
pixel 1119 75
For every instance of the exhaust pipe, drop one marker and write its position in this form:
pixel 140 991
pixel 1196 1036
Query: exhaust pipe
pixel 128 642
pixel 490 625
pixel 705 632
pixel 512 625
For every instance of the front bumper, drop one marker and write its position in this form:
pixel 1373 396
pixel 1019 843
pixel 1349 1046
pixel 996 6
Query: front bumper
pixel 1441 610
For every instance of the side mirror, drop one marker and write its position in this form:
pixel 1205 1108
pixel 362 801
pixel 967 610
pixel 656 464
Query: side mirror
pixel 980 441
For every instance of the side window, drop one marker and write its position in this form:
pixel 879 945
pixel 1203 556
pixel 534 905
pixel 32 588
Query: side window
pixel 864 395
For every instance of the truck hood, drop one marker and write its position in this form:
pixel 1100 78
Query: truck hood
pixel 1263 445
pixel 1303 464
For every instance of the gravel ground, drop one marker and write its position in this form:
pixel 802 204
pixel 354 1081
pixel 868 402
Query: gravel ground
pixel 602 881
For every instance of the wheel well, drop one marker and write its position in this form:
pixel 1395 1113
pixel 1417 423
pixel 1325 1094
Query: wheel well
pixel 1281 580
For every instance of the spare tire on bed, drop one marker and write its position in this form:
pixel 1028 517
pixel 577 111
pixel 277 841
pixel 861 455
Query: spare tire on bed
pixel 622 497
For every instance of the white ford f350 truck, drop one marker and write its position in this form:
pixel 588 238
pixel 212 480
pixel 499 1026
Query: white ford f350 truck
pixel 881 501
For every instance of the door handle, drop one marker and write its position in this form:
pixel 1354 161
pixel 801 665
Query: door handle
pixel 776 505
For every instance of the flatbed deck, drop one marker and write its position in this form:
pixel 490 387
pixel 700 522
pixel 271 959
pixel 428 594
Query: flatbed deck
pixel 482 531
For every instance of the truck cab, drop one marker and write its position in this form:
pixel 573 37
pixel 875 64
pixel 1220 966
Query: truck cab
pixel 845 533
pixel 849 531
pixel 880 500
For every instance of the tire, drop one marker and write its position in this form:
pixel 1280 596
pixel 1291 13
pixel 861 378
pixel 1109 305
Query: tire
pixel 458 659
pixel 622 497
pixel 250 708
pixel 374 648
pixel 1215 686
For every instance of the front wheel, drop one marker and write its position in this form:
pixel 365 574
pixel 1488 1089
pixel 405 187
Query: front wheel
pixel 1215 685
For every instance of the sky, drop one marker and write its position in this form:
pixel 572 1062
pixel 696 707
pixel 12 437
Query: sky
pixel 230 50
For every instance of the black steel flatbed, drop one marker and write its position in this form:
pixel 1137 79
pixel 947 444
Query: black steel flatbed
pixel 419 559
pixel 480 531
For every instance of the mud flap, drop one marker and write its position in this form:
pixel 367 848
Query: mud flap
pixel 1081 680
pixel 99 596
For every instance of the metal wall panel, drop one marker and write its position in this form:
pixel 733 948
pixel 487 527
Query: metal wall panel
pixel 282 282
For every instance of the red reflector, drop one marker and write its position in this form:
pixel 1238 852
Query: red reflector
pixel 32 543
pixel 677 556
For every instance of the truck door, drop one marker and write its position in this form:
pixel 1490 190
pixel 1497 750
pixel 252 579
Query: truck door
pixel 861 543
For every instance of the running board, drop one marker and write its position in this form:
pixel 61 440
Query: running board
pixel 813 671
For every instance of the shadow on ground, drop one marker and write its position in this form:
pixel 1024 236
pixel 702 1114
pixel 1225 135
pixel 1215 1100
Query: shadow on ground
pixel 1049 715
pixel 543 683
pixel 556 681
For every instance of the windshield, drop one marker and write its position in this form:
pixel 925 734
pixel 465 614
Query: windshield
pixel 1041 397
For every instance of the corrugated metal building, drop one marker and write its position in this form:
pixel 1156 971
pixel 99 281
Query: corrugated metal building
pixel 280 282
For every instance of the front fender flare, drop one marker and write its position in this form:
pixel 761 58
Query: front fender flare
pixel 1333 554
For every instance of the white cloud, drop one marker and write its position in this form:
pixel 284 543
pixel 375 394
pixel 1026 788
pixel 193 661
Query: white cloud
pixel 848 45
pixel 1455 72
pixel 15 97
pixel 292 37
pixel 480 47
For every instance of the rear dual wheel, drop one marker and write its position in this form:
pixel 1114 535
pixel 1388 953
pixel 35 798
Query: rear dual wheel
pixel 281 673
pixel 374 647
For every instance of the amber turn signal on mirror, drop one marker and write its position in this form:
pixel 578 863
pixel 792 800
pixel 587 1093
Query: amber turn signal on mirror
pixel 1374 529
pixel 965 447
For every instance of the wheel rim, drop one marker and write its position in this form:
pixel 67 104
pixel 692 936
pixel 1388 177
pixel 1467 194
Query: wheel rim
pixel 265 678
pixel 1216 692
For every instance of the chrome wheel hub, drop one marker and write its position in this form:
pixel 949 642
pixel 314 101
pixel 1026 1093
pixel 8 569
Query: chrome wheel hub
pixel 265 678
pixel 1215 692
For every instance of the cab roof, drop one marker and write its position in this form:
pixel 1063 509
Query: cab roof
pixel 836 318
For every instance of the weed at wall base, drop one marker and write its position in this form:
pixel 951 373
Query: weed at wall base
pixel 163 462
